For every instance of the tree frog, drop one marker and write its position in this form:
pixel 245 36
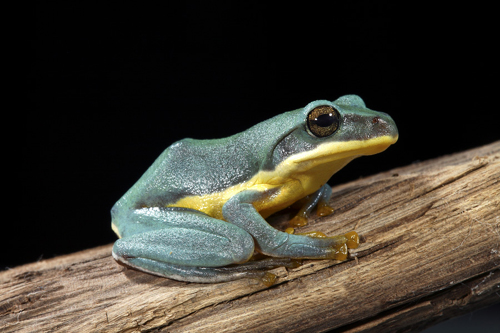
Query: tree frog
pixel 198 213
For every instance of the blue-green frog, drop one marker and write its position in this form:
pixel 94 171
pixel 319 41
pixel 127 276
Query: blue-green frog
pixel 198 213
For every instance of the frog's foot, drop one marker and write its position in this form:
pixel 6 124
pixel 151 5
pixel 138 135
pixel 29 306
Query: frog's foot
pixel 323 209
pixel 341 251
pixel 300 220
pixel 352 240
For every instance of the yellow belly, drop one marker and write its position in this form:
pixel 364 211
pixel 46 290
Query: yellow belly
pixel 274 198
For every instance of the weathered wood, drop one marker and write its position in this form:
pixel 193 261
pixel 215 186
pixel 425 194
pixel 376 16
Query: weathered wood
pixel 431 251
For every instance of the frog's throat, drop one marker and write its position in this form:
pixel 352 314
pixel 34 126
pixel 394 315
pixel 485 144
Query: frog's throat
pixel 339 150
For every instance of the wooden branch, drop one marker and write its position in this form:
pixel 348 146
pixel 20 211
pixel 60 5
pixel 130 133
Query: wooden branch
pixel 431 251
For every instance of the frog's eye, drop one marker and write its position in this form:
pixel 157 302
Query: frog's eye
pixel 323 121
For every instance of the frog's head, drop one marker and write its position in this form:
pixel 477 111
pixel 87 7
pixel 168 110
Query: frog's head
pixel 325 136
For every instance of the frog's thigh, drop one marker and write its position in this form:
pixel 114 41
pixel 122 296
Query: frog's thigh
pixel 178 250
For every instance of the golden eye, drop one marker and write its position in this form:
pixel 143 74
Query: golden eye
pixel 323 121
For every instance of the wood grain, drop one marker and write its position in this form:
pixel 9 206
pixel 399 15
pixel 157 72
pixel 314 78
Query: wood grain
pixel 431 251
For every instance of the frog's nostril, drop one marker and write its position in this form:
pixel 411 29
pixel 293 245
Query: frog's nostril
pixel 378 120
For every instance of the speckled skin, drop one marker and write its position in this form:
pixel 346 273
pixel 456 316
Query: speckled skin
pixel 162 237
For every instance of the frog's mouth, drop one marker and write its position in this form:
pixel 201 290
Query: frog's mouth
pixel 341 151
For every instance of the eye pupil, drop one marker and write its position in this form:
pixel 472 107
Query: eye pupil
pixel 323 121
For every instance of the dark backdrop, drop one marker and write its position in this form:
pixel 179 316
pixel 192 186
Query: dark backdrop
pixel 115 84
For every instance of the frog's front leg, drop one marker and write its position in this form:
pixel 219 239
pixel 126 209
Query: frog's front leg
pixel 184 245
pixel 240 211
pixel 318 199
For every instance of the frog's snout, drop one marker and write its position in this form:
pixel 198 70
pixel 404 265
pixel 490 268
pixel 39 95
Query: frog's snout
pixel 384 125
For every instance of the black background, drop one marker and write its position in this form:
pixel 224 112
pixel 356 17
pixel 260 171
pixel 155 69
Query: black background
pixel 114 84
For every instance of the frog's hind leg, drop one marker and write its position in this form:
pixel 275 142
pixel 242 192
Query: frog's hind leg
pixel 185 245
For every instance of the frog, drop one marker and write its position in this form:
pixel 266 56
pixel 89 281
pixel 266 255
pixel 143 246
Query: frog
pixel 198 214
